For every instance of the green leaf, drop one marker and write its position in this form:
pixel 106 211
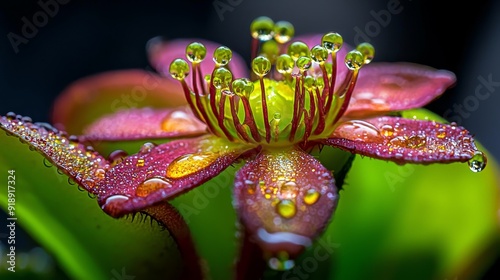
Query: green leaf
pixel 86 243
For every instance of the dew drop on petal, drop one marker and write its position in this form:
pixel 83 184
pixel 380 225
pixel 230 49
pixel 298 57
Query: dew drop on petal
pixel 140 162
pixel 146 148
pixel 387 130
pixel 311 196
pixel 116 157
pixel 441 133
pixel 151 185
pixel 288 190
pixel 100 173
pixel 47 163
pixel 250 186
pixel 478 162
pixel 179 121
pixel 188 164
pixel 363 130
pixel 114 198
pixel 286 208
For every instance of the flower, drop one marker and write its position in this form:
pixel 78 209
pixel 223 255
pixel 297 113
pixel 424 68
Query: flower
pixel 299 96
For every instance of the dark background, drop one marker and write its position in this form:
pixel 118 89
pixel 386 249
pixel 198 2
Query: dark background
pixel 84 38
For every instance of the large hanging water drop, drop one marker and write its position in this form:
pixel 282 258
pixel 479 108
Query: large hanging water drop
pixel 478 162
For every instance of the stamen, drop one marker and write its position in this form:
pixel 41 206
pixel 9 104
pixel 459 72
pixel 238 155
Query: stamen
pixel 261 66
pixel 261 29
pixel 317 105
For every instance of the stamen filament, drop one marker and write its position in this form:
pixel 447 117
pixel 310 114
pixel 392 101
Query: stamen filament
pixel 264 110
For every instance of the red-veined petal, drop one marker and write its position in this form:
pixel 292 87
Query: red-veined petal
pixel 405 140
pixel 284 199
pixel 83 165
pixel 385 87
pixel 145 123
pixel 89 98
pixel 163 172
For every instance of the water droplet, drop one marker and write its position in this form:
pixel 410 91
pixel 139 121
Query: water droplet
pixel 179 121
pixel 363 130
pixel 116 157
pixel 286 208
pixel 387 130
pixel 262 28
pixel 250 186
pixel 140 162
pixel 288 190
pixel 47 163
pixel 188 164
pixel 151 185
pixel 100 173
pixel 416 141
pixel 196 52
pixel 113 198
pixel 441 133
pixel 478 162
pixel 283 31
pixel 277 116
pixel 179 69
pixel 311 196
pixel 146 148
pixel 11 116
pixel 281 263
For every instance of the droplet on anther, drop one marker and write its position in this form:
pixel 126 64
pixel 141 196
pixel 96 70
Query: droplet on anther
pixel 222 55
pixel 283 31
pixel 262 28
pixel 196 52
pixel 179 69
pixel 367 50
pixel 332 42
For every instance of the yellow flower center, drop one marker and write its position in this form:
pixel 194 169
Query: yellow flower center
pixel 291 96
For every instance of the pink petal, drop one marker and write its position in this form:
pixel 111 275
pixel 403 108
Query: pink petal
pixel 384 87
pixel 284 199
pixel 145 123
pixel 85 166
pixel 87 99
pixel 163 172
pixel 162 53
pixel 405 140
